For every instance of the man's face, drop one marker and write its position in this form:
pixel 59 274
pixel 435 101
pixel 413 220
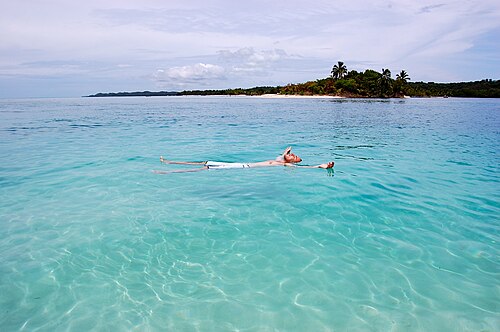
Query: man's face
pixel 291 158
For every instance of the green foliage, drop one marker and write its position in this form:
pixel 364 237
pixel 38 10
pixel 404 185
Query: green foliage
pixel 372 84
pixel 402 77
pixel 385 83
pixel 347 85
pixel 478 89
pixel 135 94
pixel 256 91
pixel 339 71
pixel 367 84
pixel 400 85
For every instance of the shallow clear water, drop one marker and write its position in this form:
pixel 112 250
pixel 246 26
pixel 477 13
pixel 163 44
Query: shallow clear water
pixel 404 236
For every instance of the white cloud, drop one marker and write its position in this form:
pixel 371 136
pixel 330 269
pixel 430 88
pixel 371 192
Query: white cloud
pixel 249 61
pixel 246 61
pixel 249 57
pixel 197 73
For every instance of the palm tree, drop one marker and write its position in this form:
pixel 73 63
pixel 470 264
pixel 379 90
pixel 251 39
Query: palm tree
pixel 400 85
pixel 385 82
pixel 339 70
pixel 403 77
pixel 386 74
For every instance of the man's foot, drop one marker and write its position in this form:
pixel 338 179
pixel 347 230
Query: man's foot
pixel 162 160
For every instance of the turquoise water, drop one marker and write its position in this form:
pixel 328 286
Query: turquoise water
pixel 403 237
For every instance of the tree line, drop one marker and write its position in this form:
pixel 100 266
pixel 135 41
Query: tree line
pixel 351 83
pixel 373 84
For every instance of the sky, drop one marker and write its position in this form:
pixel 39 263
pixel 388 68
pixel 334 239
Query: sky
pixel 61 48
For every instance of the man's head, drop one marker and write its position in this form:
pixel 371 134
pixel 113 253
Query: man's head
pixel 291 158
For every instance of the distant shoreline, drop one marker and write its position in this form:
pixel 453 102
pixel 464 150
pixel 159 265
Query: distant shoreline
pixel 266 96
pixel 178 94
pixel 366 87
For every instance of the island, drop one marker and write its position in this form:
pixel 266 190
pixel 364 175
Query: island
pixel 349 84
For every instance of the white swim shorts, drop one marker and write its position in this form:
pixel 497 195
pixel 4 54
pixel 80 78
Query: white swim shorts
pixel 219 165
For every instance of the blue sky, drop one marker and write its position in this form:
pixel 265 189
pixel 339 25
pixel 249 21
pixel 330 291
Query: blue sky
pixel 58 48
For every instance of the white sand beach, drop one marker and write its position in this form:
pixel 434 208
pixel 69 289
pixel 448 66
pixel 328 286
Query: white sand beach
pixel 299 96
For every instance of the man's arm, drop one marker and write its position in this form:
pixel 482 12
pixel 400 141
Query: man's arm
pixel 287 151
pixel 324 166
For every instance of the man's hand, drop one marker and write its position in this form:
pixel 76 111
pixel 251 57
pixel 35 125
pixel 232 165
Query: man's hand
pixel 325 166
pixel 287 150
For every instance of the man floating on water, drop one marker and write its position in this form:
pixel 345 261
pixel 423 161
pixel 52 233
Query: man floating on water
pixel 287 158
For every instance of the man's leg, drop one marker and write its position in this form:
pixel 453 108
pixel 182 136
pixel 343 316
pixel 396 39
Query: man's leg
pixel 182 162
pixel 181 171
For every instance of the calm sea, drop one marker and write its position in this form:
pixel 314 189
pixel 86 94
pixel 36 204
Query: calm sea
pixel 403 236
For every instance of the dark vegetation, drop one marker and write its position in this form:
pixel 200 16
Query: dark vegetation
pixel 257 91
pixel 367 84
pixel 135 94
